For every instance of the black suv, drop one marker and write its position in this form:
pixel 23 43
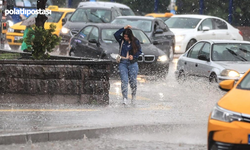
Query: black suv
pixel 90 12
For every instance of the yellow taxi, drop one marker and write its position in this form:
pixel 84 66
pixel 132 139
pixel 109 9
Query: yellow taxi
pixel 163 16
pixel 15 32
pixel 229 121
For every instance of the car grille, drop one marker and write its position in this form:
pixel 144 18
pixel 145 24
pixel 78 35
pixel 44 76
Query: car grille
pixel 146 58
pixel 18 31
pixel 74 32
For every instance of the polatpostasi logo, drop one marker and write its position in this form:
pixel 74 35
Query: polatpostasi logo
pixel 27 12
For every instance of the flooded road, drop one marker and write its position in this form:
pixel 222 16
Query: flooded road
pixel 167 115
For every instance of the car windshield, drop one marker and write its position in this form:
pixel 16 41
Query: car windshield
pixel 231 52
pixel 107 36
pixel 245 83
pixel 127 12
pixel 144 25
pixel 53 17
pixel 182 22
pixel 91 15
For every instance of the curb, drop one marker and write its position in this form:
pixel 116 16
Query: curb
pixel 79 133
pixel 34 137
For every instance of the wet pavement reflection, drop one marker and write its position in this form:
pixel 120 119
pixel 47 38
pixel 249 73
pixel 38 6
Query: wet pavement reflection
pixel 174 116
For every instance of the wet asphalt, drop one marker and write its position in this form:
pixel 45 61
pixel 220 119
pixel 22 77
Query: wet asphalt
pixel 167 114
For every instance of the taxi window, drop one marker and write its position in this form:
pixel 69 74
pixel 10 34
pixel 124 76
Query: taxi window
pixel 55 16
pixel 68 15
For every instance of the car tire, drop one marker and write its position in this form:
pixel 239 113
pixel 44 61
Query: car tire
pixel 71 52
pixel 14 47
pixel 190 43
pixel 171 53
pixel 181 77
pixel 213 78
pixel 63 49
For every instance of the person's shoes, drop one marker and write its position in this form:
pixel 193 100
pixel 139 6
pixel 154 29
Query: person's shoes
pixel 124 102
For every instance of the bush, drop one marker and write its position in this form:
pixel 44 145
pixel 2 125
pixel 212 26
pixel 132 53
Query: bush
pixel 42 41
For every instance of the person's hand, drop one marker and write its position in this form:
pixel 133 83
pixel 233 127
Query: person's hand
pixel 127 27
pixel 131 57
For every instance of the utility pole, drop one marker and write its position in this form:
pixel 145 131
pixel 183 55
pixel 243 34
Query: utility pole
pixel 201 6
pixel 156 6
pixel 230 16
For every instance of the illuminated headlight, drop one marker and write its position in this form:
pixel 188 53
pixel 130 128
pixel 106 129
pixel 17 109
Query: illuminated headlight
pixel 65 30
pixel 221 114
pixel 230 73
pixel 10 30
pixel 162 58
pixel 179 38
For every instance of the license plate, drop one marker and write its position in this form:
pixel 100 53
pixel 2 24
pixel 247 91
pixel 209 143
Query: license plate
pixel 248 138
pixel 18 37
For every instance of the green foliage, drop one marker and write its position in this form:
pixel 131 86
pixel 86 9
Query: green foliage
pixel 10 56
pixel 42 41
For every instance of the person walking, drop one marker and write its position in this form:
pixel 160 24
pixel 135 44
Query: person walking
pixel 128 66
pixel 24 46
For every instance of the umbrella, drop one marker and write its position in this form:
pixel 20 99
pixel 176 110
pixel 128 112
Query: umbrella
pixel 30 21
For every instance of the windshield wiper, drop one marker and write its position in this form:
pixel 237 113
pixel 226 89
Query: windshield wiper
pixel 97 17
pixel 238 56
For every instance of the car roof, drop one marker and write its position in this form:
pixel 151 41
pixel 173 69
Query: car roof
pixel 194 16
pixel 103 4
pixel 226 41
pixel 109 25
pixel 136 17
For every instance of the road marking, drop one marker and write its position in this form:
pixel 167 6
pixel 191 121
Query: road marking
pixel 137 97
pixel 46 110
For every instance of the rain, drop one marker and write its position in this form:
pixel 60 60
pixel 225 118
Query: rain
pixel 168 114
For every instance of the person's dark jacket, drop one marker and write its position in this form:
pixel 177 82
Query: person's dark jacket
pixel 127 46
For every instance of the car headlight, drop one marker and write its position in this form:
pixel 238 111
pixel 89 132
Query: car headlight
pixel 222 114
pixel 162 58
pixel 179 38
pixel 10 23
pixel 65 30
pixel 10 30
pixel 230 73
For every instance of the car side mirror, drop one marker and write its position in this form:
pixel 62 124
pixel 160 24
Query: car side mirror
pixel 226 85
pixel 203 57
pixel 155 42
pixel 64 20
pixel 205 28
pixel 158 31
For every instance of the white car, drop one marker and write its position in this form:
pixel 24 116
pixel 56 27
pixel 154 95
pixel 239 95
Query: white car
pixel 189 29
pixel 216 60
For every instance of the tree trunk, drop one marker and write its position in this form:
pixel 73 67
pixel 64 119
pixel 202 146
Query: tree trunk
pixel 41 18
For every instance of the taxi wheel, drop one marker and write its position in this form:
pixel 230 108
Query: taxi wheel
pixel 14 47
pixel 190 43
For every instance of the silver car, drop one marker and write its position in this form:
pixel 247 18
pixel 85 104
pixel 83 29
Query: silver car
pixel 216 60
